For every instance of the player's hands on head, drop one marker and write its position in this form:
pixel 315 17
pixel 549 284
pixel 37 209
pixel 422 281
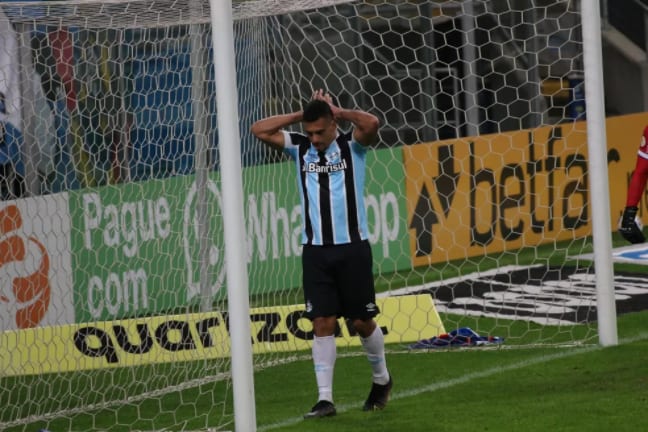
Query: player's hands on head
pixel 630 226
pixel 322 95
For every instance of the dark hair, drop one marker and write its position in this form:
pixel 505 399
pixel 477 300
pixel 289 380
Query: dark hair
pixel 316 109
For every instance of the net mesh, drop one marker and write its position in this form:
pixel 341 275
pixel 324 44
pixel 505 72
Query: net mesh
pixel 112 228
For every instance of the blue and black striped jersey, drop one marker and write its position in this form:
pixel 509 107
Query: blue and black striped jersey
pixel 331 184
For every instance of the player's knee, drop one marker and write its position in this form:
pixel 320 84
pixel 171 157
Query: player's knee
pixel 324 326
pixel 364 327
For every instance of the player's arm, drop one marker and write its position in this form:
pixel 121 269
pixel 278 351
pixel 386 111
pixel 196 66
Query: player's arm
pixel 637 185
pixel 628 227
pixel 365 130
pixel 269 130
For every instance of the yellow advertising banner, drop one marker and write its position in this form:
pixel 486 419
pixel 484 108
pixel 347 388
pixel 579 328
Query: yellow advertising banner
pixel 198 336
pixel 487 194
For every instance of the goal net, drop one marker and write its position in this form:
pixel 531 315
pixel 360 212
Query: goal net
pixel 113 305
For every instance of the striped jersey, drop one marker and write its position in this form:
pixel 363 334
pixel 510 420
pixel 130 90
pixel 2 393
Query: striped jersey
pixel 331 185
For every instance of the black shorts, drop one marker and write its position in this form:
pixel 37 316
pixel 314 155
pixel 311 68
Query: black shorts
pixel 338 281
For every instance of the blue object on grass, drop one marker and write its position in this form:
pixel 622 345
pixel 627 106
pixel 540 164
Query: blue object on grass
pixel 464 336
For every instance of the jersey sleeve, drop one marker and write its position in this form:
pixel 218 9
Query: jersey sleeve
pixel 639 178
pixel 291 143
pixel 356 147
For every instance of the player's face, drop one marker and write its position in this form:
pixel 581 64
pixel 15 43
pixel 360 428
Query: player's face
pixel 321 132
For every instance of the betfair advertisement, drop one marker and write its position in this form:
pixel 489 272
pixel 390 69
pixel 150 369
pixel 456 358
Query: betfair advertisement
pixel 486 194
pixel 493 193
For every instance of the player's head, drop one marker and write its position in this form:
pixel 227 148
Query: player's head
pixel 319 123
pixel 316 109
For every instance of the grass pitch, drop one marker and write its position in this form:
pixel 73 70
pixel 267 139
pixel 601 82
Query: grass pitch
pixel 561 388
pixel 513 387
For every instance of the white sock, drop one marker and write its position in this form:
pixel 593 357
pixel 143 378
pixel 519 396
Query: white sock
pixel 374 346
pixel 324 354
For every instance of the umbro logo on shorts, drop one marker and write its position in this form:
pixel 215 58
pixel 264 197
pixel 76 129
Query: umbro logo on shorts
pixel 371 307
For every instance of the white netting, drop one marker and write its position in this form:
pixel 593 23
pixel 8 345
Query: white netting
pixel 476 193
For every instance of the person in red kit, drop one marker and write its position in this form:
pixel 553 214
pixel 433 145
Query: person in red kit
pixel 630 226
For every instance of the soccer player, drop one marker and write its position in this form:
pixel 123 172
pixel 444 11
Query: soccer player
pixel 628 226
pixel 336 257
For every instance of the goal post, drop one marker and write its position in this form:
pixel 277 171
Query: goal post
pixel 150 245
pixel 233 215
pixel 593 65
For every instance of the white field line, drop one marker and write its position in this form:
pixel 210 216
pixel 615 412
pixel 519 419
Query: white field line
pixel 440 385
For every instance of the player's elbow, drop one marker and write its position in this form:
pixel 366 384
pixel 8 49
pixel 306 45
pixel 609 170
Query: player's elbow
pixel 370 132
pixel 374 124
pixel 257 129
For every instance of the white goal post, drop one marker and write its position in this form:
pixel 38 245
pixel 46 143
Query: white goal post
pixel 233 215
pixel 596 137
pixel 149 244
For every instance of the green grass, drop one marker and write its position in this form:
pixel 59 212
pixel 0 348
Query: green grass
pixel 556 388
pixel 536 381
pixel 559 389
